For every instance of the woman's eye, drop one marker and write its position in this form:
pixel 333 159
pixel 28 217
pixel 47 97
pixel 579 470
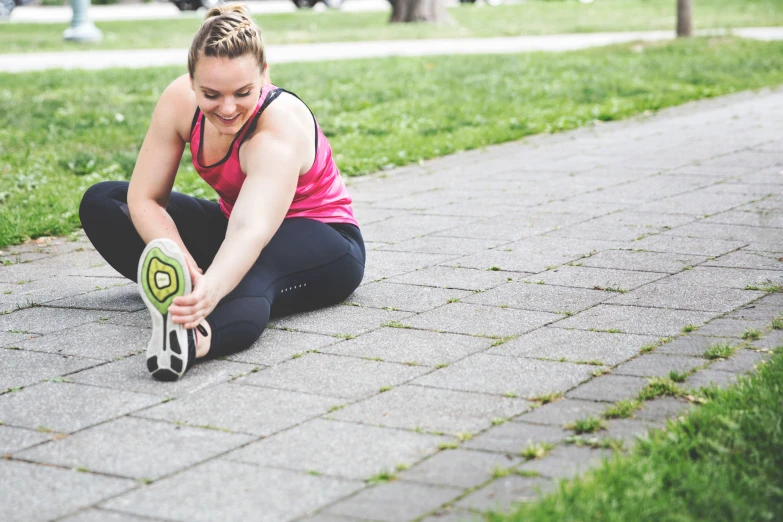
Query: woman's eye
pixel 210 96
pixel 243 94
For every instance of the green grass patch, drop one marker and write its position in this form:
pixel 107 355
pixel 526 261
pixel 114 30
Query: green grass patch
pixel 659 387
pixel 777 324
pixel 621 409
pixel 588 425
pixel 531 18
pixel 719 351
pixel 76 128
pixel 751 334
pixel 723 462
pixel 536 450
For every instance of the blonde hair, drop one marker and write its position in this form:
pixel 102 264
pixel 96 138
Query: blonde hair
pixel 227 32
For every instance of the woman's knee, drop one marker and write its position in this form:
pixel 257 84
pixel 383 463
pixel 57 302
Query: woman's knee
pixel 95 199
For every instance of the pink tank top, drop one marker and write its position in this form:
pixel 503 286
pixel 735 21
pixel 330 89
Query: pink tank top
pixel 320 192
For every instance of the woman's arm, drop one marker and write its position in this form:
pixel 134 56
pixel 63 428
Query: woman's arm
pixel 272 160
pixel 156 166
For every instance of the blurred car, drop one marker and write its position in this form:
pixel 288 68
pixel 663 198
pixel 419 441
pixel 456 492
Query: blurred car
pixel 6 6
pixel 192 5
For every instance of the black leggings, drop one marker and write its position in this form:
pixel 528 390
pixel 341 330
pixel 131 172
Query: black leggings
pixel 307 264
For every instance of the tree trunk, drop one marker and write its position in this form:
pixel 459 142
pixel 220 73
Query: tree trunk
pixel 419 11
pixel 683 18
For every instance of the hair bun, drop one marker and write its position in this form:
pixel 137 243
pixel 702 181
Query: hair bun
pixel 231 7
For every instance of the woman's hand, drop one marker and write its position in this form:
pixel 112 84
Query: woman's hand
pixel 193 308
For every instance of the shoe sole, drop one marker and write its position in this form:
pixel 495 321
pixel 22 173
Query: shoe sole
pixel 163 276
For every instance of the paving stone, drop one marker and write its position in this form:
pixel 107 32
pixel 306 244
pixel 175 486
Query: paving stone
pixel 100 270
pixel 563 412
pixel 22 368
pixel 742 361
pixel 515 437
pixel 136 448
pixel 15 439
pixel 503 493
pixel 747 259
pixel 753 312
pixel 334 376
pixel 326 517
pixel 51 289
pixel 248 409
pixel 96 341
pixel 400 228
pixel 394 501
pixel 383 264
pixel 596 278
pixel 664 262
pixel 574 345
pixel 726 277
pixel 66 407
pixel 14 339
pixel 102 515
pixel 768 218
pixel 697 203
pixel 131 374
pixel 707 378
pixel 480 320
pixel 409 298
pixel 64 491
pixel 339 320
pixel 121 299
pixel 658 365
pixel 339 449
pixel 546 298
pixel 456 278
pixel 450 514
pixel 237 491
pixel 729 232
pixel 609 388
pixel 511 261
pixel 623 226
pixel 770 341
pixel 432 409
pixel 404 345
pixel 658 410
pixel 48 320
pixel 633 319
pixel 692 345
pixel 566 461
pixel 140 319
pixel 443 245
pixel 687 297
pixel 626 430
pixel 729 327
pixel 275 346
pixel 504 375
pixel 687 245
pixel 458 468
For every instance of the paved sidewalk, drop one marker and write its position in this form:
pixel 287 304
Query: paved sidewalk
pixel 21 62
pixel 496 279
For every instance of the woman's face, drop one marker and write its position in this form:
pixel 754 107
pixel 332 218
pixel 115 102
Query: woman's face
pixel 227 90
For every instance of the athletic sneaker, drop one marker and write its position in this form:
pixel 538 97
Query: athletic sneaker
pixel 162 276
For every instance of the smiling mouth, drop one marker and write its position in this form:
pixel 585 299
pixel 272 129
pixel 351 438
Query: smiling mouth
pixel 227 120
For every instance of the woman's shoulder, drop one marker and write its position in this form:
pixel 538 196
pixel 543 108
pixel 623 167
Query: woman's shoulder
pixel 178 102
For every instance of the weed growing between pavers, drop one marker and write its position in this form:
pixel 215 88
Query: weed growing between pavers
pixel 596 442
pixel 622 409
pixel 660 387
pixel 719 351
pixel 73 113
pixel 751 334
pixel 588 425
pixel 722 462
pixel 537 450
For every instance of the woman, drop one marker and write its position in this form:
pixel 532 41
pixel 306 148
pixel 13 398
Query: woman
pixel 283 238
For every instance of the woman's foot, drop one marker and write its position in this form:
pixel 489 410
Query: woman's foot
pixel 162 276
pixel 203 339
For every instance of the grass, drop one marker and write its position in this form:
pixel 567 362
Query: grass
pixel 530 18
pixel 723 462
pixel 59 130
pixel 588 425
pixel 719 351
pixel 751 334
